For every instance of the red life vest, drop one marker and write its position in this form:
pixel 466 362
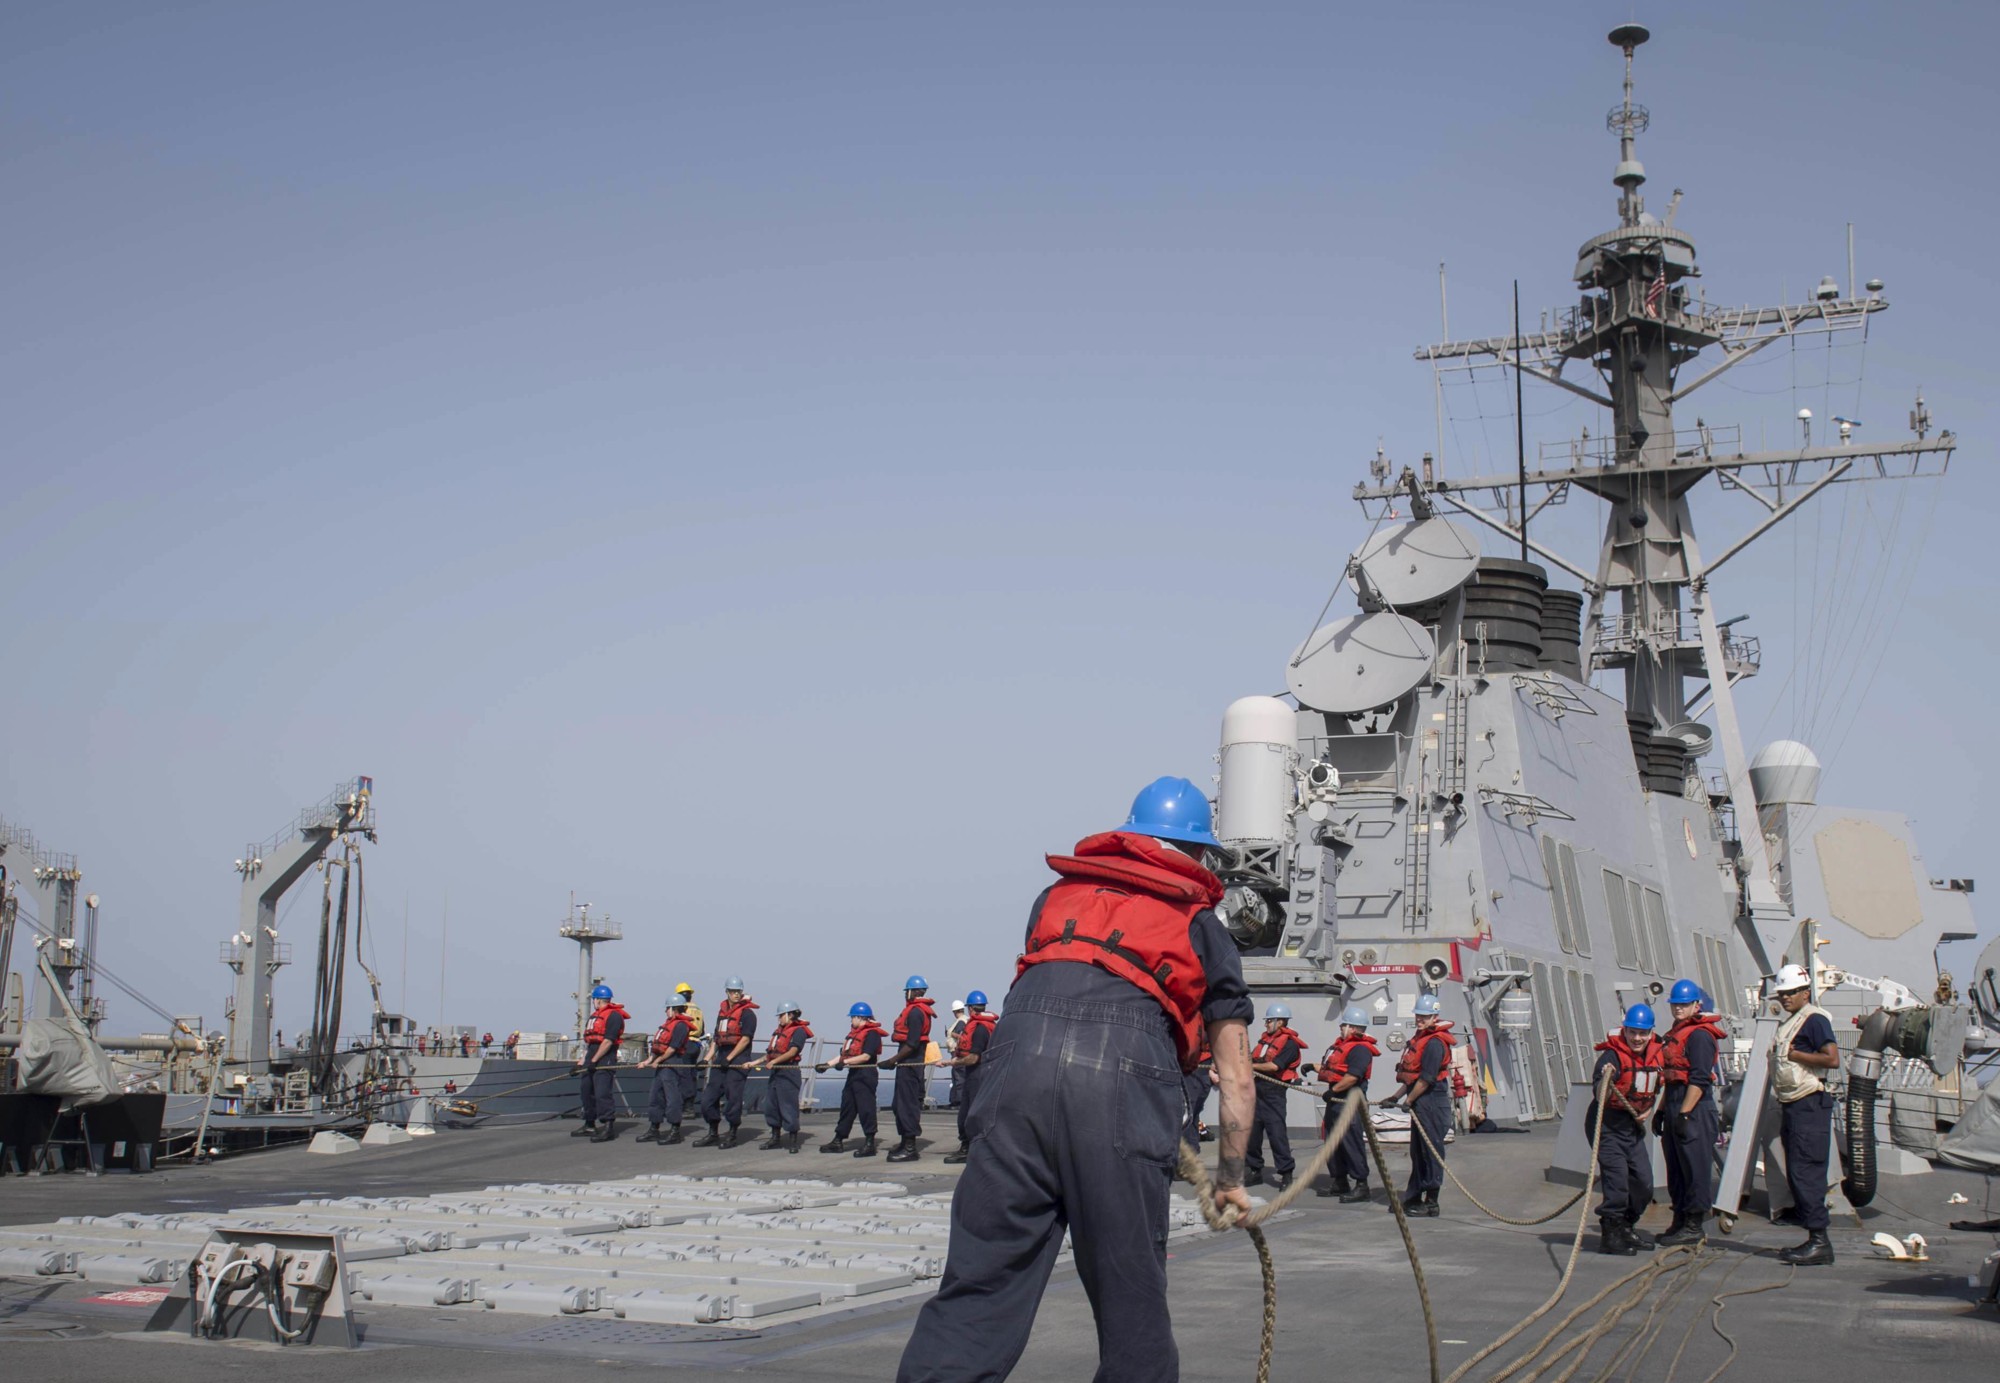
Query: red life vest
pixel 729 1022
pixel 1410 1065
pixel 593 1032
pixel 902 1032
pixel 790 1037
pixel 857 1036
pixel 667 1042
pixel 1124 904
pixel 1675 1045
pixel 1271 1043
pixel 1333 1066
pixel 1637 1084
pixel 975 1022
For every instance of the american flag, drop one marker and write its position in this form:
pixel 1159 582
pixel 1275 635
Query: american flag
pixel 1654 292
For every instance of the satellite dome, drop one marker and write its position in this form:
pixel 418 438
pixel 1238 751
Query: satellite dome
pixel 1785 771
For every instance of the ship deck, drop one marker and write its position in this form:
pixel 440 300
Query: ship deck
pixel 1344 1282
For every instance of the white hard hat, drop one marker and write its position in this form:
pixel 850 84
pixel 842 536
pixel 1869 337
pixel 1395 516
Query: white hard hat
pixel 957 1005
pixel 1790 977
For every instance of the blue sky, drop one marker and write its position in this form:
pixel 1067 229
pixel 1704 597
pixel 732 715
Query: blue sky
pixel 776 470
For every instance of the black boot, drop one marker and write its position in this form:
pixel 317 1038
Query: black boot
pixel 1613 1239
pixel 867 1148
pixel 792 1143
pixel 713 1138
pixel 955 1158
pixel 1278 1181
pixel 586 1131
pixel 904 1151
pixel 837 1145
pixel 773 1143
pixel 1355 1196
pixel 606 1131
pixel 1686 1230
pixel 1641 1240
pixel 1429 1209
pixel 674 1136
pixel 729 1138
pixel 651 1135
pixel 1815 1252
pixel 1413 1204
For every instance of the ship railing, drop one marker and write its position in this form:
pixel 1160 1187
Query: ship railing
pixel 350 806
pixel 1701 443
pixel 1367 762
pixel 1743 653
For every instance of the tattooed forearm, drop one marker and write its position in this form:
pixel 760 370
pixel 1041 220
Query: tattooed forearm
pixel 1234 1085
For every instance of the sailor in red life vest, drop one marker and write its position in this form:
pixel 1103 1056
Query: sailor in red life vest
pixel 1195 1086
pixel 1276 1058
pixel 1127 971
pixel 860 1056
pixel 912 1036
pixel 601 1036
pixel 1346 1067
pixel 729 1065
pixel 973 1041
pixel 1423 1081
pixel 781 1097
pixel 1632 1060
pixel 1686 1120
pixel 672 1063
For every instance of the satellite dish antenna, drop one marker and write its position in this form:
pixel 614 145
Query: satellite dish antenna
pixel 1415 562
pixel 1361 662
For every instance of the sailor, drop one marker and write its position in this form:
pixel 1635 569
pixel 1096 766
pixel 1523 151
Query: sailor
pixel 912 1035
pixel 781 1098
pixel 1076 1124
pixel 514 1044
pixel 1195 1086
pixel 693 1010
pixel 1346 1067
pixel 1631 1060
pixel 953 1035
pixel 1686 1121
pixel 601 1036
pixel 973 1041
pixel 1421 1075
pixel 728 1066
pixel 1276 1059
pixel 1804 1047
pixel 672 1059
pixel 860 1056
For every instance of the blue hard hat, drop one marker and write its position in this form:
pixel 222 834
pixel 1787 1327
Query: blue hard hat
pixel 1354 1017
pixel 1428 1006
pixel 1172 809
pixel 603 991
pixel 1707 1003
pixel 860 1011
pixel 977 998
pixel 734 982
pixel 1278 1011
pixel 1639 1016
pixel 916 982
pixel 1684 992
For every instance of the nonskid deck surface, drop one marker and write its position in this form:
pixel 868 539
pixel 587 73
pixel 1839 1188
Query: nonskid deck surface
pixel 1344 1284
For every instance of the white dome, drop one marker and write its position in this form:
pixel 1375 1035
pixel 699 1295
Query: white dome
pixel 1259 720
pixel 1785 771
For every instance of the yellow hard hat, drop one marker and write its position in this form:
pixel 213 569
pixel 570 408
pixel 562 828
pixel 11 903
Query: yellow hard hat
pixel 683 989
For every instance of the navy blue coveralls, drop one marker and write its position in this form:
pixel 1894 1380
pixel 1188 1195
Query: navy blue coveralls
pixel 1432 1109
pixel 722 1097
pixel 1350 1159
pixel 1076 1127
pixel 859 1096
pixel 1272 1115
pixel 1806 1125
pixel 673 1076
pixel 910 1074
pixel 1689 1141
pixel 1195 1086
pixel 976 1039
pixel 1624 1158
pixel 600 1092
pixel 781 1100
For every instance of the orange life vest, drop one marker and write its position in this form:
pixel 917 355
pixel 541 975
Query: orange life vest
pixel 593 1032
pixel 1637 1085
pixel 1675 1045
pixel 1124 904
pixel 1333 1066
pixel 668 1042
pixel 1410 1065
pixel 974 1021
pixel 790 1037
pixel 729 1022
pixel 857 1036
pixel 903 1032
pixel 1271 1043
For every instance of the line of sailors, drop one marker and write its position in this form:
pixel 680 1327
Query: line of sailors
pixel 680 1048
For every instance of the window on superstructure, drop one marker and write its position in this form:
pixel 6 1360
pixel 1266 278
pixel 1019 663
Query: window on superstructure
pixel 1573 888
pixel 1558 895
pixel 1587 1037
pixel 1635 908
pixel 1615 903
pixel 1663 937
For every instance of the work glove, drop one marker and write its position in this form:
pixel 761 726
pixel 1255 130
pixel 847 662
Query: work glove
pixel 821 1067
pixel 1677 1123
pixel 1389 1103
pixel 1660 1123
